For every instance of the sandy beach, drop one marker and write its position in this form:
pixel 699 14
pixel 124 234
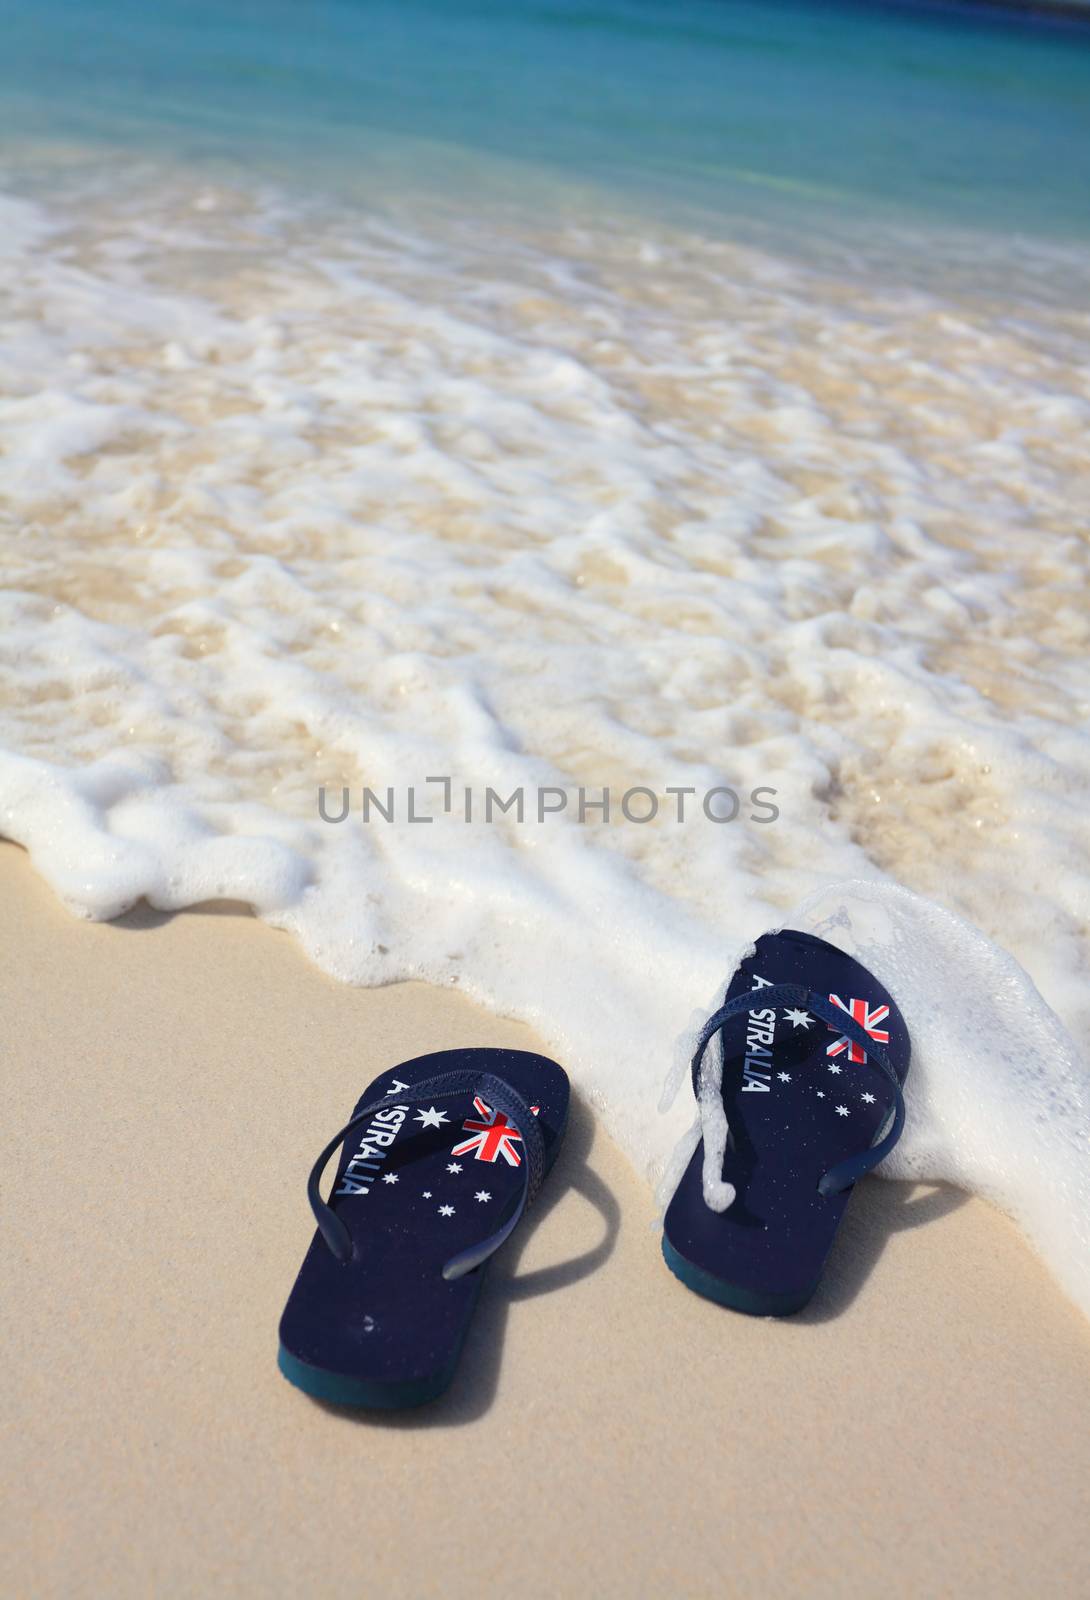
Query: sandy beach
pixel 505 510
pixel 923 1428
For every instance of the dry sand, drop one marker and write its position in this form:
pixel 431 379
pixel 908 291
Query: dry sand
pixel 923 1428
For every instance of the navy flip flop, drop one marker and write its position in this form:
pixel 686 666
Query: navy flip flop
pixel 441 1158
pixel 814 1055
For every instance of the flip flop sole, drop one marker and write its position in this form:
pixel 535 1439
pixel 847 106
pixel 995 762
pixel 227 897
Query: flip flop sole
pixel 737 1298
pixel 335 1388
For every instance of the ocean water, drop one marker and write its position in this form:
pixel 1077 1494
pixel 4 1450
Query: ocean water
pixel 688 401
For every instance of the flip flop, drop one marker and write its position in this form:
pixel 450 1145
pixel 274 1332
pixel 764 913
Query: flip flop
pixel 814 1055
pixel 441 1158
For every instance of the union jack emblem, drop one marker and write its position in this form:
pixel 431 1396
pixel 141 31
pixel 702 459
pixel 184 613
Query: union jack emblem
pixel 868 1018
pixel 493 1136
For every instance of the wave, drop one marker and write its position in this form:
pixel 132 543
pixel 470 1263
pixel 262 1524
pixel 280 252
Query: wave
pixel 301 497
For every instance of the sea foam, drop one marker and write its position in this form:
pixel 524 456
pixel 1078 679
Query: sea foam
pixel 298 498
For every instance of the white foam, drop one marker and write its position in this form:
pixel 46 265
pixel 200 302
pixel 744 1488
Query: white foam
pixel 998 1096
pixel 299 500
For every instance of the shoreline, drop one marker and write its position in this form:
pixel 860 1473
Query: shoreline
pixel 169 1079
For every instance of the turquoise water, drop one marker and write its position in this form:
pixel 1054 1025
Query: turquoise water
pixel 725 108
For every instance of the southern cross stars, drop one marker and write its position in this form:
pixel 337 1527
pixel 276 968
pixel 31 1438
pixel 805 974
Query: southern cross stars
pixel 482 1194
pixel 427 1194
pixel 390 1177
pixel 784 1077
pixel 867 1099
pixel 431 1118
pixel 446 1211
pixel 798 1019
pixel 834 1068
pixel 842 1111
pixel 454 1166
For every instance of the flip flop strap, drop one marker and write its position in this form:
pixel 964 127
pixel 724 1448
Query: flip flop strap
pixel 499 1096
pixel 849 1171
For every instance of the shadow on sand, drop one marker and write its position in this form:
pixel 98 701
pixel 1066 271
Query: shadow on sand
pixel 878 1210
pixel 143 918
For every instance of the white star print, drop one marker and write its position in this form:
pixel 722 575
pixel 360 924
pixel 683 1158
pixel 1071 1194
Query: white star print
pixel 454 1166
pixel 391 1177
pixel 867 1099
pixel 431 1118
pixel 834 1068
pixel 821 1094
pixel 842 1111
pixel 482 1194
pixel 798 1019
pixel 427 1194
pixel 397 1086
pixel 446 1211
pixel 784 1077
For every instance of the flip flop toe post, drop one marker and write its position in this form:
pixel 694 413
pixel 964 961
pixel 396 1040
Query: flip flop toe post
pixel 814 1055
pixel 438 1163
